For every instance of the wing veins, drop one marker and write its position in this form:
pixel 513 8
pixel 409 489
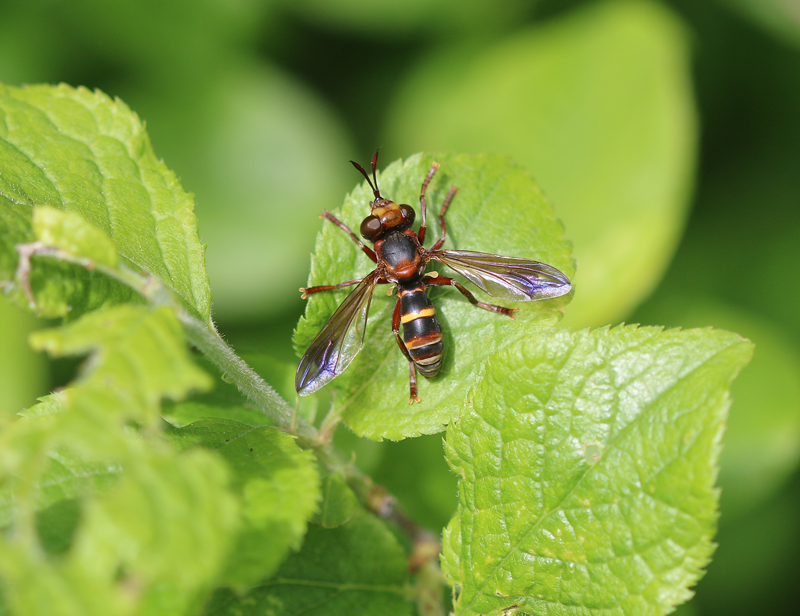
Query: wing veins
pixel 335 347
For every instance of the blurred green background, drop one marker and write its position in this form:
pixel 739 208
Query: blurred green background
pixel 667 134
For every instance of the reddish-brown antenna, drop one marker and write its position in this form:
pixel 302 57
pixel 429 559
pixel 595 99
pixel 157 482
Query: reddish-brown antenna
pixel 374 186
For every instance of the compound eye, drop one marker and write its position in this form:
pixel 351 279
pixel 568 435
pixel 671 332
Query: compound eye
pixel 370 227
pixel 408 213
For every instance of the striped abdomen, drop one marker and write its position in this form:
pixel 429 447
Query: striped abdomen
pixel 421 331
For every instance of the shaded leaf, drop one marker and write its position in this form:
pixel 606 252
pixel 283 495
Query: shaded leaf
pixel 587 468
pixel 391 18
pixel 277 483
pixel 766 539
pixel 415 472
pixel 355 568
pixel 61 289
pixel 265 154
pixel 338 503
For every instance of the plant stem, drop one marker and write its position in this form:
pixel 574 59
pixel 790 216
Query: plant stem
pixel 207 339
pixel 423 562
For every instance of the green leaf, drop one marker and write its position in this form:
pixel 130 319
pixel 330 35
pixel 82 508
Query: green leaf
pixel 72 233
pixel 762 440
pixel 169 524
pixel 499 209
pixel 65 477
pixel 138 357
pixel 587 467
pixel 123 523
pixel 338 504
pixel 162 530
pixel 23 373
pixel 82 152
pixel 597 105
pixel 277 483
pixel 355 568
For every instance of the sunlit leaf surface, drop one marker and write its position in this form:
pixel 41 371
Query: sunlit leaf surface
pixel 82 152
pixel 587 467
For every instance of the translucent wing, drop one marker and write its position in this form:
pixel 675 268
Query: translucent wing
pixel 339 341
pixel 512 278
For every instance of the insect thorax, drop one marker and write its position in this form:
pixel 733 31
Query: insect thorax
pixel 399 249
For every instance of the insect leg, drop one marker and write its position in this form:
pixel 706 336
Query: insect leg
pixel 423 203
pixel 451 193
pixel 368 251
pixel 444 280
pixel 327 287
pixel 413 397
pixel 412 383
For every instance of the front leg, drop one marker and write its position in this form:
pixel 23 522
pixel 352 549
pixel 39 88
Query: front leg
pixel 423 203
pixel 327 287
pixel 450 194
pixel 368 251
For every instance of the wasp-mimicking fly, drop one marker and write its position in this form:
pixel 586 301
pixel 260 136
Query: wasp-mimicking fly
pixel 400 260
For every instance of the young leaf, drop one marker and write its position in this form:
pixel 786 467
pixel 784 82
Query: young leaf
pixel 278 485
pixel 65 477
pixel 597 103
pixel 138 357
pixel 82 152
pixel 73 234
pixel 500 210
pixel 168 525
pixel 24 373
pixel 587 466
pixel 148 519
pixel 355 568
pixel 153 544
pixel 59 288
